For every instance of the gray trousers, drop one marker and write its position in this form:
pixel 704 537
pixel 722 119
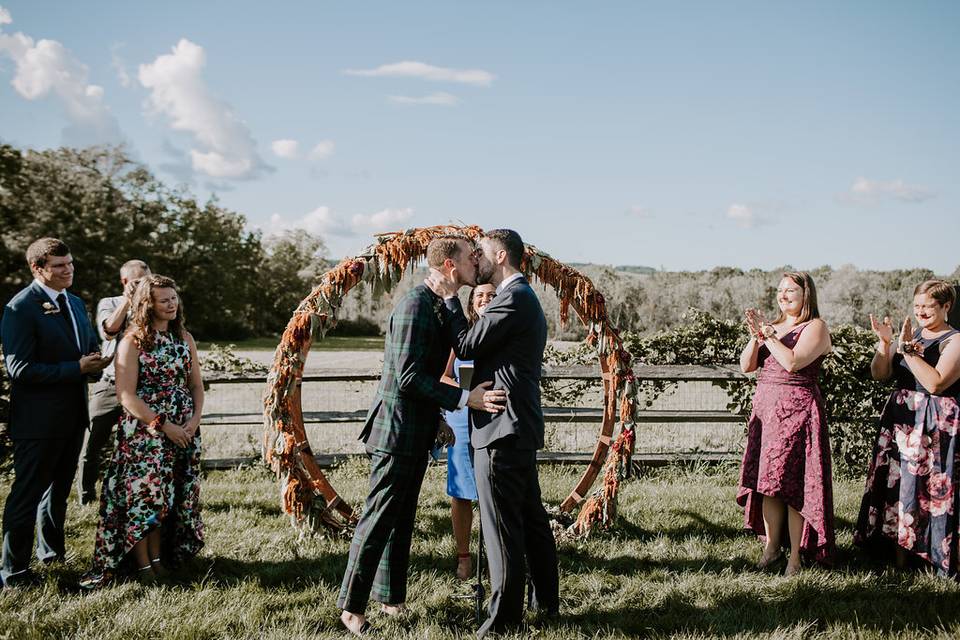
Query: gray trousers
pixel 516 536
pixel 105 410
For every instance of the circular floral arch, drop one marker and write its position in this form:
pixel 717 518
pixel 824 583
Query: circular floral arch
pixel 306 494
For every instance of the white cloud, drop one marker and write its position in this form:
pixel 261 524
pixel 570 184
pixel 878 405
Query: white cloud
pixel 385 220
pixel 285 148
pixel 441 98
pixel 321 150
pixel 865 191
pixel 743 215
pixel 411 69
pixel 224 146
pixel 321 221
pixel 46 67
pixel 325 222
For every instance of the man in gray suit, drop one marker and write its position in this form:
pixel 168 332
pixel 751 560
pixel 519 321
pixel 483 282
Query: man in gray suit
pixel 506 345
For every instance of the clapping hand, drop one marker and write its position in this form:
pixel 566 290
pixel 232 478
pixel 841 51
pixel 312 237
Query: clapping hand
pixel 906 333
pixel 883 330
pixel 755 322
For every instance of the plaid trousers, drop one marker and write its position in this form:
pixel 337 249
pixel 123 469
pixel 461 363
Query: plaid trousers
pixel 380 550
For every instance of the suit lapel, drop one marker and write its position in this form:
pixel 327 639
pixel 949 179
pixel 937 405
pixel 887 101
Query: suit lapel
pixel 41 296
pixel 500 297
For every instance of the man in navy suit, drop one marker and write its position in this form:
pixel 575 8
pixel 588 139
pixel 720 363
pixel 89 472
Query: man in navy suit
pixel 49 349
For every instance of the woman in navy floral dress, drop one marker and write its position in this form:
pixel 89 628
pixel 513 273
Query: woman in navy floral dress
pixel 911 500
pixel 150 503
pixel 786 484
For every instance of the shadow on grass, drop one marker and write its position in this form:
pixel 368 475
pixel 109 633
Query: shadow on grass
pixel 695 526
pixel 260 508
pixel 887 606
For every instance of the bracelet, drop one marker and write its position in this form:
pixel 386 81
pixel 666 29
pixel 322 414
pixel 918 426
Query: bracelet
pixel 910 348
pixel 768 331
pixel 157 423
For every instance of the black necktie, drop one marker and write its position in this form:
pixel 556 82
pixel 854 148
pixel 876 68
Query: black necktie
pixel 65 312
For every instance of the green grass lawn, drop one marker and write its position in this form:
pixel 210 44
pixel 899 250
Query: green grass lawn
pixel 677 565
pixel 330 343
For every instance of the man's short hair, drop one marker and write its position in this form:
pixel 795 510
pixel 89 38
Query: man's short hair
pixel 40 250
pixel 134 269
pixel 443 247
pixel 511 242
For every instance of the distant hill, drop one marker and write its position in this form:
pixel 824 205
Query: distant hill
pixel 626 268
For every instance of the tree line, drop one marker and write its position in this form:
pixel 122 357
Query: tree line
pixel 238 283
pixel 108 208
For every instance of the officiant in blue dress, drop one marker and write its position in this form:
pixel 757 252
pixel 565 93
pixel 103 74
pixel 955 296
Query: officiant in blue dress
pixel 461 484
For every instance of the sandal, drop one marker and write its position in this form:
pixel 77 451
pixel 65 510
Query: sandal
pixel 766 564
pixel 146 576
pixel 158 569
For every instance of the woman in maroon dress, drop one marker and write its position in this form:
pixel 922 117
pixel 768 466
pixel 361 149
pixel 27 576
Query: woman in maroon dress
pixel 786 472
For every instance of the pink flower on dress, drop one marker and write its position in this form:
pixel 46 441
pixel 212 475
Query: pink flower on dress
pixel 906 536
pixel 924 465
pixel 872 518
pixel 891 519
pixel 909 441
pixel 893 475
pixel 948 418
pixel 915 400
pixel 940 489
pixel 884 440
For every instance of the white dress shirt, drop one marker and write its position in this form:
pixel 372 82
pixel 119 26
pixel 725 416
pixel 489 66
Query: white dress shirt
pixel 53 293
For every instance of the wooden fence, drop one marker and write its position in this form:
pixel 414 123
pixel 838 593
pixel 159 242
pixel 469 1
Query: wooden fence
pixel 552 414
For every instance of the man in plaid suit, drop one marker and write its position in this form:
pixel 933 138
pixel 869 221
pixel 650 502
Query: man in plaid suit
pixel 400 430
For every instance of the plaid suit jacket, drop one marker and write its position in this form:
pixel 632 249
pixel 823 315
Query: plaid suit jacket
pixel 406 412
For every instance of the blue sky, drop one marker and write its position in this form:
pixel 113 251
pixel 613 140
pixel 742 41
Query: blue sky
pixel 681 135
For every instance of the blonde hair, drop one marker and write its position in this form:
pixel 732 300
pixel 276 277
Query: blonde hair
pixel 810 310
pixel 141 321
pixel 939 290
pixel 443 247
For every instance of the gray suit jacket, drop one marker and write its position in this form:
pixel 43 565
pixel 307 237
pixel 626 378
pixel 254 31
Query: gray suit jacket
pixel 506 345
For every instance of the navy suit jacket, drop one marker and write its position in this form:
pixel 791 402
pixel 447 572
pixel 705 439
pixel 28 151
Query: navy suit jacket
pixel 506 345
pixel 48 398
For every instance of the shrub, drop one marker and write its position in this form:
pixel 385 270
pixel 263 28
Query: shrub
pixel 852 399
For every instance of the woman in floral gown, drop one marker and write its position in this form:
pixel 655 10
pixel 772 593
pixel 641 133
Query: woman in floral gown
pixel 786 475
pixel 911 500
pixel 150 502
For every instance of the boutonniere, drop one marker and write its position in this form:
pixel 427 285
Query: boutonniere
pixel 49 307
pixel 439 310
